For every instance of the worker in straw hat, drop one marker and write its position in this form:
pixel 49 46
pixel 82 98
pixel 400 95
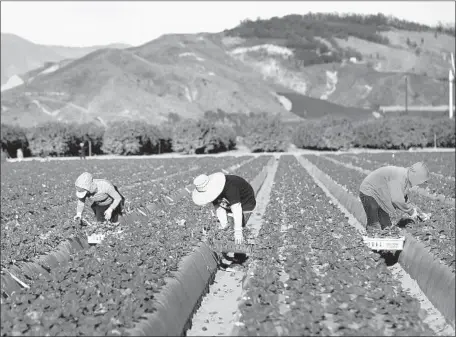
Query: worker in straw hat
pixel 386 189
pixel 230 194
pixel 107 201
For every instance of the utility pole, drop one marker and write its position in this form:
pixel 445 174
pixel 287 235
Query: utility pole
pixel 450 85
pixel 406 94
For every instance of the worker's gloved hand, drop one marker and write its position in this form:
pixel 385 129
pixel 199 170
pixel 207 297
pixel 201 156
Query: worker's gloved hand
pixel 238 237
pixel 77 217
pixel 223 225
pixel 414 215
pixel 108 214
pixel 424 216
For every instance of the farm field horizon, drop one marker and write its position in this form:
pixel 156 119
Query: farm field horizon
pixel 309 260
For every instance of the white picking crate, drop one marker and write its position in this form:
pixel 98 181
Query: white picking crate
pixel 384 243
pixel 95 238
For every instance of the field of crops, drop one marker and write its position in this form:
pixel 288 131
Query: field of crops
pixel 309 273
pixel 438 232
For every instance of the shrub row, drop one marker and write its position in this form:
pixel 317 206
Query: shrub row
pixel 61 139
pixel 200 137
pixel 338 133
pixel 217 133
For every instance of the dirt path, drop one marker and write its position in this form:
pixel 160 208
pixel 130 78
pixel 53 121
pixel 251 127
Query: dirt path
pixel 218 312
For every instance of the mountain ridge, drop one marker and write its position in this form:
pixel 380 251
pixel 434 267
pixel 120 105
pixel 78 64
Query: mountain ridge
pixel 349 63
pixel 33 55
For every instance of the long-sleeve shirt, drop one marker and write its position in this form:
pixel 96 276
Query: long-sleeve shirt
pixel 105 194
pixel 389 186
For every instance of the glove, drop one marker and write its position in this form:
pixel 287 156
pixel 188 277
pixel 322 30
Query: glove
pixel 223 226
pixel 424 216
pixel 238 237
pixel 77 216
pixel 108 214
pixel 414 214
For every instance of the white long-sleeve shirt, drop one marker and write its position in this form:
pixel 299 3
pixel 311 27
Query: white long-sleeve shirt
pixel 236 209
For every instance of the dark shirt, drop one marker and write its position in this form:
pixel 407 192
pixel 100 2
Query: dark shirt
pixel 236 190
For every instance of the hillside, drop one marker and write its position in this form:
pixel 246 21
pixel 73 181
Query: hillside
pixel 353 61
pixel 182 74
pixel 19 55
pixel 311 65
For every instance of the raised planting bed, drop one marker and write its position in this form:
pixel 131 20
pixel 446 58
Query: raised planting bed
pixel 419 258
pixel 438 184
pixel 47 228
pixel 312 274
pixel 109 288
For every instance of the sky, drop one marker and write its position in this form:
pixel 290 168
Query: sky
pixel 87 23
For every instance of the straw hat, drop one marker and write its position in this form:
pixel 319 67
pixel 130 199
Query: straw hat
pixel 207 188
pixel 83 184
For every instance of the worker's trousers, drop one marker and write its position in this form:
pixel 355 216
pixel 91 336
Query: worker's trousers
pixel 99 210
pixel 376 216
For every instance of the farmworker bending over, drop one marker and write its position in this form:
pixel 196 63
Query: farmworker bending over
pixel 229 194
pixel 107 201
pixel 386 189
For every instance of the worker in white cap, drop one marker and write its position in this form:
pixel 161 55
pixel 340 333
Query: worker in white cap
pixel 107 201
pixel 386 189
pixel 229 194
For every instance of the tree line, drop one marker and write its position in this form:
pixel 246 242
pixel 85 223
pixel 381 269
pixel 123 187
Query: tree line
pixel 219 132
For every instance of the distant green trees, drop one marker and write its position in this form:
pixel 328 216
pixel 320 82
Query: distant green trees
pixel 266 133
pixel 134 138
pixel 201 137
pixel 13 138
pixel 50 139
pixel 219 132
pixel 384 133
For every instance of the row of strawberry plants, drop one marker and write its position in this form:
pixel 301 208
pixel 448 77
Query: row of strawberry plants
pixel 442 163
pixel 438 184
pixel 29 187
pixel 107 289
pixel 335 285
pixel 46 230
pixel 438 232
